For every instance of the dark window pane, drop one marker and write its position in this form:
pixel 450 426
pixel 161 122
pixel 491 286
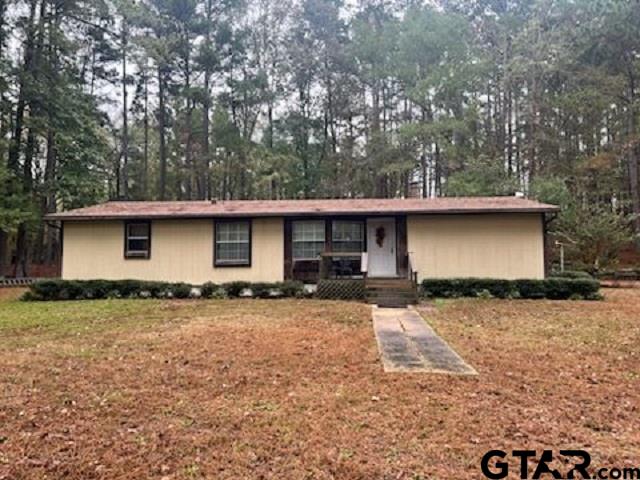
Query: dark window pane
pixel 232 243
pixel 307 250
pixel 138 230
pixel 307 239
pixel 348 231
pixel 234 232
pixel 138 239
pixel 348 236
pixel 355 247
pixel 138 245
pixel 308 231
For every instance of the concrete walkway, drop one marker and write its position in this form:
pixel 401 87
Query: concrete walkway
pixel 408 344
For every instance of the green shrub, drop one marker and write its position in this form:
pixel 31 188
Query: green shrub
pixel 559 289
pixel 291 288
pixel 209 289
pixel 531 288
pixel 29 296
pixel 554 288
pixel 589 289
pixel 572 274
pixel 265 289
pixel 180 290
pixel 595 296
pixel 46 290
pixel 234 289
pixel 262 289
pixel 128 288
pixel 98 289
pixel 219 294
pixel 485 294
pixel 95 289
pixel 468 287
pixel 154 289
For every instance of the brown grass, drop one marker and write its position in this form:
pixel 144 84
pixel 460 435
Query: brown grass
pixel 11 293
pixel 294 389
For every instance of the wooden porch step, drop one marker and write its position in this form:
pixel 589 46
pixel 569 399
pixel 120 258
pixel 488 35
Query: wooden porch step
pixel 391 301
pixel 395 293
pixel 391 292
pixel 393 288
pixel 408 295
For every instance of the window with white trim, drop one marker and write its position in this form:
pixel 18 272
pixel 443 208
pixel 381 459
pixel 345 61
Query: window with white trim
pixel 233 243
pixel 137 241
pixel 348 236
pixel 307 239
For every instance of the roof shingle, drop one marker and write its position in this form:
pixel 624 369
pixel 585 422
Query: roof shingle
pixel 267 208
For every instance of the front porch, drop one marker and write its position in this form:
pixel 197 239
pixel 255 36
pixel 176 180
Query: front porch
pixel 346 247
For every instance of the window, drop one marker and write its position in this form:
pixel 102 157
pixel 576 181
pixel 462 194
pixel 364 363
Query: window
pixel 137 239
pixel 308 239
pixel 348 236
pixel 233 243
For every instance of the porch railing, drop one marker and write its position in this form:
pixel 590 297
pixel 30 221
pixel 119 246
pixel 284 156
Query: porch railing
pixel 327 264
pixel 327 268
pixel 411 273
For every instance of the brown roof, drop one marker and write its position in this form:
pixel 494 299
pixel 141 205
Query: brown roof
pixel 266 208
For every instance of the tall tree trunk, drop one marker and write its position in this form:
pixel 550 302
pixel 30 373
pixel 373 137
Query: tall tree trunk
pixel 437 166
pixel 22 251
pixel 162 133
pixel 3 9
pixel 27 67
pixel 509 126
pixel 206 108
pixel 4 237
pixel 22 237
pixel 145 158
pixel 424 174
pixel 20 269
pixel 51 233
pixel 191 171
pixel 50 248
pixel 124 190
pixel 533 128
pixel 4 253
pixel 206 174
pixel 518 145
pixel 634 152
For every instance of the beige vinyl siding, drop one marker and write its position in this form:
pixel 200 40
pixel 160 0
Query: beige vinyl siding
pixel 181 251
pixel 506 246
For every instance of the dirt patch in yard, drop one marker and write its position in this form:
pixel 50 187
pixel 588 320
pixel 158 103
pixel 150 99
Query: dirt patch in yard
pixel 295 389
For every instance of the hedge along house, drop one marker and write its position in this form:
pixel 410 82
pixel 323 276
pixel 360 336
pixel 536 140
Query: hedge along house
pixel 276 240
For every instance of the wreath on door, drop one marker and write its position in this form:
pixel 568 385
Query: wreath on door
pixel 380 234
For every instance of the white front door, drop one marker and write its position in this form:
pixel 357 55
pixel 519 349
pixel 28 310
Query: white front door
pixel 381 247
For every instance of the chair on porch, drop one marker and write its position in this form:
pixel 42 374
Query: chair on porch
pixel 343 267
pixel 342 264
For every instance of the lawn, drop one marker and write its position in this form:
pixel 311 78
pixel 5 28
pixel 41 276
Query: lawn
pixel 293 389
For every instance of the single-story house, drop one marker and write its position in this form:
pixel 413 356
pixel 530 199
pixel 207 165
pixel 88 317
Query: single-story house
pixel 276 240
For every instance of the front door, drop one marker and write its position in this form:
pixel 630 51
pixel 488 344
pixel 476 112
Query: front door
pixel 381 247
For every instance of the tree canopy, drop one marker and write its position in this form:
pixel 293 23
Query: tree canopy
pixel 198 99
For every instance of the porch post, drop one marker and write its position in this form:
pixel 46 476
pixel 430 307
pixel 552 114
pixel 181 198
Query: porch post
pixel 288 262
pixel 401 245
